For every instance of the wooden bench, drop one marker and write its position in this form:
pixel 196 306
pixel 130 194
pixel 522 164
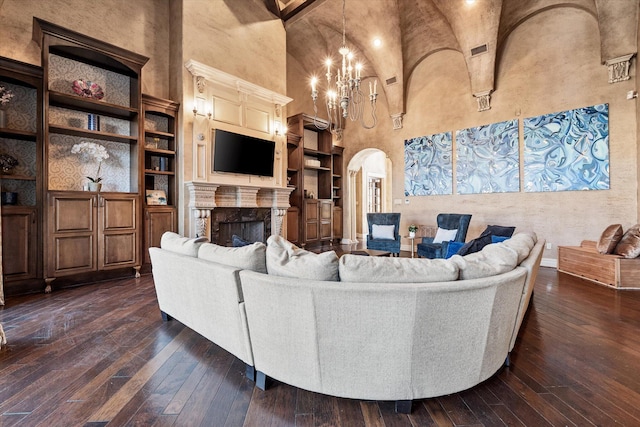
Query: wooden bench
pixel 609 270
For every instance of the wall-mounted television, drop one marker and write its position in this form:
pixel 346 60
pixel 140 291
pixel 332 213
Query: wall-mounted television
pixel 235 153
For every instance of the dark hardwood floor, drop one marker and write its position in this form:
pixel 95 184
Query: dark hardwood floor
pixel 100 355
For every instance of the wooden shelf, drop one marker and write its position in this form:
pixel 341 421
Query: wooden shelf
pixel 18 177
pixel 65 130
pixel 158 134
pixel 90 105
pixel 160 151
pixel 312 152
pixel 155 172
pixel 319 168
pixel 292 170
pixel 18 134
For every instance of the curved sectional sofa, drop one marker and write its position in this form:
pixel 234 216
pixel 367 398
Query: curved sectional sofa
pixel 357 327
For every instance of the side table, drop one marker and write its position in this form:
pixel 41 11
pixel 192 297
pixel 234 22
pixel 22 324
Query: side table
pixel 412 239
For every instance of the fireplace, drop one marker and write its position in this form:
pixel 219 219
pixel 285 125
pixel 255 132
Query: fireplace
pixel 250 224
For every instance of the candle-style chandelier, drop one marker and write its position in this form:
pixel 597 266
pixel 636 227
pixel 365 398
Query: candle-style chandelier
pixel 347 100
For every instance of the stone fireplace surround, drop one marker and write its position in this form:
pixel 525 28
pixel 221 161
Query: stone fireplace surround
pixel 213 204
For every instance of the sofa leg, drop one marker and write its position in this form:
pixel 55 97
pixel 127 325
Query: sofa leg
pixel 251 372
pixel 261 380
pixel 507 361
pixel 165 316
pixel 403 406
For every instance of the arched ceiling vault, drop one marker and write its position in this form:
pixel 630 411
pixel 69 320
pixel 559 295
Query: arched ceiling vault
pixel 412 30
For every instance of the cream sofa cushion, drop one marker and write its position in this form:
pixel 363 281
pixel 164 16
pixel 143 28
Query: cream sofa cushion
pixel 522 243
pixel 493 259
pixel 286 259
pixel 368 269
pixel 176 243
pixel 250 257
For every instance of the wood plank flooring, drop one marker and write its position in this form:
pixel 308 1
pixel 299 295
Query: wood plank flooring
pixel 100 355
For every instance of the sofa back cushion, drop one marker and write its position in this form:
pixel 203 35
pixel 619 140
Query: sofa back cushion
pixel 369 269
pixel 286 259
pixel 174 242
pixel 522 243
pixel 493 259
pixel 249 257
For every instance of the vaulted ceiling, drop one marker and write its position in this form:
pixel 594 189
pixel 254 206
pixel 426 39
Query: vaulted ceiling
pixel 412 30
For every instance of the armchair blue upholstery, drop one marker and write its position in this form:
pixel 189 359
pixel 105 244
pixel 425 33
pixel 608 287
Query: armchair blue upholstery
pixel 428 249
pixel 391 245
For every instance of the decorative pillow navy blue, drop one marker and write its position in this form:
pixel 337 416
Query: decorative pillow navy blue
pixel 453 248
pixel 484 239
pixel 498 230
pixel 238 242
pixel 498 239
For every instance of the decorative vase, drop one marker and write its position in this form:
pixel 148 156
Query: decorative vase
pixel 95 186
pixel 412 234
pixel 3 118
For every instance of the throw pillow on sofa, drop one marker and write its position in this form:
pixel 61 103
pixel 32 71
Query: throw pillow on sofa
pixel 609 239
pixel 286 259
pixel 629 246
pixel 249 257
pixel 174 242
pixel 370 269
pixel 484 239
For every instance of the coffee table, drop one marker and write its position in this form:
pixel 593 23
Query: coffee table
pixel 370 252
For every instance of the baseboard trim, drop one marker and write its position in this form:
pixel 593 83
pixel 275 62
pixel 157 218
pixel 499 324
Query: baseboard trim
pixel 549 262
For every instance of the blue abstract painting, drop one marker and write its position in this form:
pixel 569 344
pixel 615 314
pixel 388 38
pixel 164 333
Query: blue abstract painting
pixel 428 166
pixel 567 150
pixel 488 159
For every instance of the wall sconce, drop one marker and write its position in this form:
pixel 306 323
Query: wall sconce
pixel 278 129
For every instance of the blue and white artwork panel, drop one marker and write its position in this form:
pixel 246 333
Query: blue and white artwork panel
pixel 488 159
pixel 568 150
pixel 428 167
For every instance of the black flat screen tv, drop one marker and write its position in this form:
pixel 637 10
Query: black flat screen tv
pixel 235 153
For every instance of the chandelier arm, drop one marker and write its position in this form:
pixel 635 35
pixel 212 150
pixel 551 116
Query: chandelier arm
pixel 317 124
pixel 373 115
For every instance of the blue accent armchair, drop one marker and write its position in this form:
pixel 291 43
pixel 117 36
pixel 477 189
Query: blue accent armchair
pixel 459 222
pixel 391 245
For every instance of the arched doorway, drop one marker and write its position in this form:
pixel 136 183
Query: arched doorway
pixel 368 190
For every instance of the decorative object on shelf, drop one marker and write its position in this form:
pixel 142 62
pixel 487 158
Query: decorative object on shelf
pixel 7 163
pixel 412 231
pixel 87 89
pixel 93 122
pixel 9 198
pixel 156 197
pixel 5 97
pixel 94 186
pixel 92 151
pixel 152 144
pixel 347 100
pixel 163 163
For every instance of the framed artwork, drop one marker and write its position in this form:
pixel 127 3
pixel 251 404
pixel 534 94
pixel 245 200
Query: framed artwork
pixel 156 197
pixel 488 159
pixel 568 150
pixel 428 166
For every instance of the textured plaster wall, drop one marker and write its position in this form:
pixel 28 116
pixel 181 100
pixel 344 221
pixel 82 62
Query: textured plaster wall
pixel 140 26
pixel 549 63
pixel 238 37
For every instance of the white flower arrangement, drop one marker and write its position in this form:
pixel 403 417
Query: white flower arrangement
pixel 5 95
pixel 89 150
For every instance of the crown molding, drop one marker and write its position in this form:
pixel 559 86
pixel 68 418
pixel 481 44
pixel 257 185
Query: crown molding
pixel 219 77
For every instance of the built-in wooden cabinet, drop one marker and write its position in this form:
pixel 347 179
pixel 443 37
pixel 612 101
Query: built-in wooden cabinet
pixel 21 138
pixel 159 169
pixel 156 221
pixel 87 231
pixel 19 238
pixel 337 190
pixel 315 172
pixel 91 232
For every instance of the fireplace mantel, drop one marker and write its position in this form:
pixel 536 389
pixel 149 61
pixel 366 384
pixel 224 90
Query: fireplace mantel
pixel 205 196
